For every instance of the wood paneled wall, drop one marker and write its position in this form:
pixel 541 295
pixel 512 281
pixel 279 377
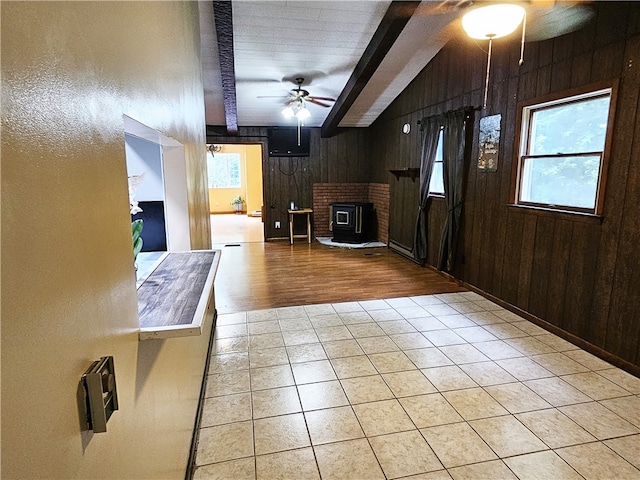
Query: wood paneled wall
pixel 339 159
pixel 580 276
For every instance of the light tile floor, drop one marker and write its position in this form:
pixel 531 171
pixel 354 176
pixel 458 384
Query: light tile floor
pixel 235 228
pixel 430 387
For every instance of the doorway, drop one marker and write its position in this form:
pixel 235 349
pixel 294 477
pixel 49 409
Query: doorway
pixel 162 192
pixel 235 185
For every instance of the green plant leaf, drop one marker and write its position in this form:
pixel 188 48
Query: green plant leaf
pixel 136 231
pixel 137 247
pixel 136 228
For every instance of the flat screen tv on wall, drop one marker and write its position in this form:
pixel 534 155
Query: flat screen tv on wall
pixel 283 142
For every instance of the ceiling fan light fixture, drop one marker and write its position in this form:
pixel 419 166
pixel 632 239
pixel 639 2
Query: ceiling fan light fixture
pixel 288 112
pixel 492 21
pixel 303 113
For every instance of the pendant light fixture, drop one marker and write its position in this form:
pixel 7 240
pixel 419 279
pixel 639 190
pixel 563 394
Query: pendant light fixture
pixel 490 22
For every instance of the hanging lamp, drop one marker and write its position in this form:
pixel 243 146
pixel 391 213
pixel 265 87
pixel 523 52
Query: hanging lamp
pixel 490 22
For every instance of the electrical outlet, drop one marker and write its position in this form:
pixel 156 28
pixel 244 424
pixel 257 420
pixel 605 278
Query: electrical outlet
pixel 277 224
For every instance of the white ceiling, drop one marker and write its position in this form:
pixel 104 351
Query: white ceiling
pixel 322 41
pixel 275 42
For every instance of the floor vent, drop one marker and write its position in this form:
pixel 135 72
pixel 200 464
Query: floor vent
pixel 232 245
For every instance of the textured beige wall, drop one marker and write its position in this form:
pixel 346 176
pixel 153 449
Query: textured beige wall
pixel 254 177
pixel 70 70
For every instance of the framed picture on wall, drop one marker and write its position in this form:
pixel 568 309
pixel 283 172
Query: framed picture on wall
pixel 489 142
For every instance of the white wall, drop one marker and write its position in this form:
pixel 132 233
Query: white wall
pixel 70 70
pixel 145 157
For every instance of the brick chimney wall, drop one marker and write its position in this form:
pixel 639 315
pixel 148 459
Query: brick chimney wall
pixel 326 193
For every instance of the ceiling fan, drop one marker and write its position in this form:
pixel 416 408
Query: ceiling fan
pixel 299 96
pixel 295 105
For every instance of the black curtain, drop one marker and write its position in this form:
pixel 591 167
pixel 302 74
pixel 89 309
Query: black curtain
pixel 430 131
pixel 453 153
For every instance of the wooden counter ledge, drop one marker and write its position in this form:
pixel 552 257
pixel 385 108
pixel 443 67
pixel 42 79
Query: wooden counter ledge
pixel 177 298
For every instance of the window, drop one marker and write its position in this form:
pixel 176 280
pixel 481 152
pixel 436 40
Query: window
pixel 562 146
pixel 224 170
pixel 436 183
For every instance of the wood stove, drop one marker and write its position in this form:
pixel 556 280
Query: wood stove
pixel 352 222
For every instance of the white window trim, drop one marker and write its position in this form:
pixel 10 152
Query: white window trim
pixel 227 171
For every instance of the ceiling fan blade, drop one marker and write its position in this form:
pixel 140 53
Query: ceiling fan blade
pixel 273 96
pixel 309 77
pixel 328 99
pixel 316 102
pixel 258 80
pixel 558 20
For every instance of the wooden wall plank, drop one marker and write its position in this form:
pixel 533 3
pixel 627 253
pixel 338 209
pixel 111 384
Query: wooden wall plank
pixel 607 61
pixel 527 251
pixel 560 76
pixel 511 266
pixel 479 213
pixel 582 264
pixel 611 22
pixel 562 48
pixel 541 266
pixel 505 167
pixel 558 273
pixel 543 80
pixel 581 69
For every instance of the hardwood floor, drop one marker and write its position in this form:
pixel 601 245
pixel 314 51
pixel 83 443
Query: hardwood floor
pixel 254 276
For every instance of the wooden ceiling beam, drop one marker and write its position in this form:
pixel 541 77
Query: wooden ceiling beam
pixel 223 17
pixel 392 24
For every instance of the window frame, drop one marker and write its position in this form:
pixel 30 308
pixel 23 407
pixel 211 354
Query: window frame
pixel 227 156
pixel 522 145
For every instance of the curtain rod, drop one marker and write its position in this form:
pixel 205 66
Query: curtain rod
pixel 473 109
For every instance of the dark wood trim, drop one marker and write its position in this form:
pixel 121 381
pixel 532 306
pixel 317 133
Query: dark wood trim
pixel 223 15
pixel 574 339
pixel 392 24
pixel 571 216
pixel 606 154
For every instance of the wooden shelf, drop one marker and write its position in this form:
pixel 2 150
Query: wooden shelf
pixel 410 172
pixel 177 297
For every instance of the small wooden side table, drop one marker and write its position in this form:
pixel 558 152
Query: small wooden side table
pixel 308 212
